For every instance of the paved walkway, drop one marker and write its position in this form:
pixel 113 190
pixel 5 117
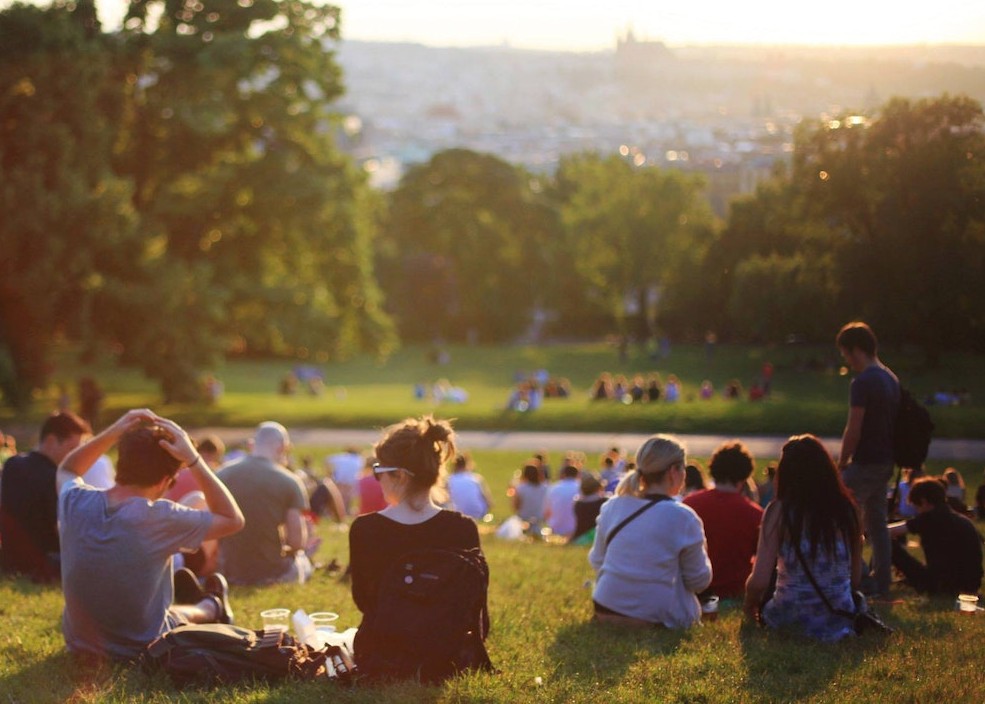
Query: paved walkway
pixel 700 445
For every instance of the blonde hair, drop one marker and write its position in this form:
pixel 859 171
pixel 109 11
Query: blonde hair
pixel 654 458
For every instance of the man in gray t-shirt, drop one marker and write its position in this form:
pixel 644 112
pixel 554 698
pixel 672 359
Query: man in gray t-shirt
pixel 117 544
pixel 272 546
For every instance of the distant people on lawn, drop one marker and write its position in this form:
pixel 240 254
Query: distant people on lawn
pixel 117 544
pixel 866 458
pixel 649 553
pixel 560 512
pixel 271 548
pixel 731 521
pixel 694 480
pixel 344 468
pixel 468 492
pixel 410 457
pixel 588 503
pixel 529 495
pixel 371 498
pixel 954 489
pixel 29 500
pixel 951 544
pixel 812 525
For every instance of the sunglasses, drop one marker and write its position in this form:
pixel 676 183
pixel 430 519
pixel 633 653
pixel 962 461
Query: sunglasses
pixel 379 469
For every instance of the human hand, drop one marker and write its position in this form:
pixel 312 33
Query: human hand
pixel 177 442
pixel 133 419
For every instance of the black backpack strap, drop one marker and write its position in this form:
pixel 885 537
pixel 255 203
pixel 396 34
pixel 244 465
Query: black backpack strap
pixel 629 519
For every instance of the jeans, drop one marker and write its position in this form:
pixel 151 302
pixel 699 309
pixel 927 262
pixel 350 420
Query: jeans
pixel 868 483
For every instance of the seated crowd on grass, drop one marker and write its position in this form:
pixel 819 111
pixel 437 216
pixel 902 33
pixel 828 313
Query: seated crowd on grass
pixel 160 546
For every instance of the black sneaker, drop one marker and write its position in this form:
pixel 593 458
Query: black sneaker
pixel 186 587
pixel 217 587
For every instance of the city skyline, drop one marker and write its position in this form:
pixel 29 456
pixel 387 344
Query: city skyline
pixel 578 25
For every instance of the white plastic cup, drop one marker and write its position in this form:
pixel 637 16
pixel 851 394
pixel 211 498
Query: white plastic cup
pixel 276 619
pixel 967 604
pixel 324 621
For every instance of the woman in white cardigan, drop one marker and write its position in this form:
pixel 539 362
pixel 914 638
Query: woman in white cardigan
pixel 649 554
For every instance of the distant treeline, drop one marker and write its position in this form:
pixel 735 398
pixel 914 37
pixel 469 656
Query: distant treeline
pixel 172 193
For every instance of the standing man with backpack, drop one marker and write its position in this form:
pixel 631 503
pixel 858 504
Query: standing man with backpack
pixel 866 458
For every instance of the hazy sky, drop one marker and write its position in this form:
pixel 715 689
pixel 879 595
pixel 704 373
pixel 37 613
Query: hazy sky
pixel 593 24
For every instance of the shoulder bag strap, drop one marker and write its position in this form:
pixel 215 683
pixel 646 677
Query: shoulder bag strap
pixel 817 588
pixel 629 519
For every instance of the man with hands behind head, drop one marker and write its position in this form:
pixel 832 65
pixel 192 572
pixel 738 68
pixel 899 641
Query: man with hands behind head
pixel 117 544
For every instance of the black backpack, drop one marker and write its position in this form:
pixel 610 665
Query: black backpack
pixel 431 620
pixel 911 437
pixel 213 654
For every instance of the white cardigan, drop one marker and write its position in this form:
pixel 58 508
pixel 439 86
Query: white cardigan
pixel 655 565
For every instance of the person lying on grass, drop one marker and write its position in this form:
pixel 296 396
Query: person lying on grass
pixel 117 544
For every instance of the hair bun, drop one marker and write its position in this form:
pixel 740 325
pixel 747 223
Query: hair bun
pixel 436 430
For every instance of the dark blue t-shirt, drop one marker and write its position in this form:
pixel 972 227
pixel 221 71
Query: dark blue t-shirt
pixel 876 389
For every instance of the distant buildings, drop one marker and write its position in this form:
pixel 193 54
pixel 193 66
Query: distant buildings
pixel 728 113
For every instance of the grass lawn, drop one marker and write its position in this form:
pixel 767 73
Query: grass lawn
pixel 364 393
pixel 546 648
pixel 540 603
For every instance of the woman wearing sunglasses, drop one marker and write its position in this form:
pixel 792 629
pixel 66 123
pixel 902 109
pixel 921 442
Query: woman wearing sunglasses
pixel 410 458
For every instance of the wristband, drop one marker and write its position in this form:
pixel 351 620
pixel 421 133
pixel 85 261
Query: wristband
pixel 198 458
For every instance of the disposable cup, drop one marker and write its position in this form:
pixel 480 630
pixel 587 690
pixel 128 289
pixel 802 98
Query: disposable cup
pixel 967 604
pixel 276 619
pixel 324 621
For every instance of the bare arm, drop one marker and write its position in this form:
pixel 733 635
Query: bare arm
pixel 853 431
pixel 295 531
pixel 226 516
pixel 765 562
pixel 79 460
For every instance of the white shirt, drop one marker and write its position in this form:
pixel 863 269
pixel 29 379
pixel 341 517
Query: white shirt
pixel 345 467
pixel 101 474
pixel 561 500
pixel 465 491
pixel 654 566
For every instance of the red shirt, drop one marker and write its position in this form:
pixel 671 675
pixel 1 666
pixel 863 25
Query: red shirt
pixel 732 530
pixel 371 497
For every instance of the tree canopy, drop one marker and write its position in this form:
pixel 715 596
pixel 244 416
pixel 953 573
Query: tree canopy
pixel 188 178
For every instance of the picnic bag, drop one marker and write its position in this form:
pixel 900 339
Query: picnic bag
pixel 212 654
pixel 430 620
pixel 912 433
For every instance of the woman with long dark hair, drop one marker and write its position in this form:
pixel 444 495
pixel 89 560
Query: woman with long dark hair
pixel 814 512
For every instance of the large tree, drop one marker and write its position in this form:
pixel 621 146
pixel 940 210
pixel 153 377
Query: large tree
pixel 904 202
pixel 65 215
pixel 628 228
pixel 192 197
pixel 467 248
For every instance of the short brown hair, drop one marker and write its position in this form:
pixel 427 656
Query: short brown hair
pixel 63 425
pixel 857 335
pixel 142 461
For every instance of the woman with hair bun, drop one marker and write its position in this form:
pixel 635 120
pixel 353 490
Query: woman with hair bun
pixel 409 462
pixel 649 552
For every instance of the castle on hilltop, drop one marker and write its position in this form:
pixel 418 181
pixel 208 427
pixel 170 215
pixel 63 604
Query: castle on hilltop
pixel 633 51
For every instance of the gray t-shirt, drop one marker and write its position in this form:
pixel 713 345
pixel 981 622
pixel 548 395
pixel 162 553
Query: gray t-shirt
pixel 116 567
pixel 265 492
